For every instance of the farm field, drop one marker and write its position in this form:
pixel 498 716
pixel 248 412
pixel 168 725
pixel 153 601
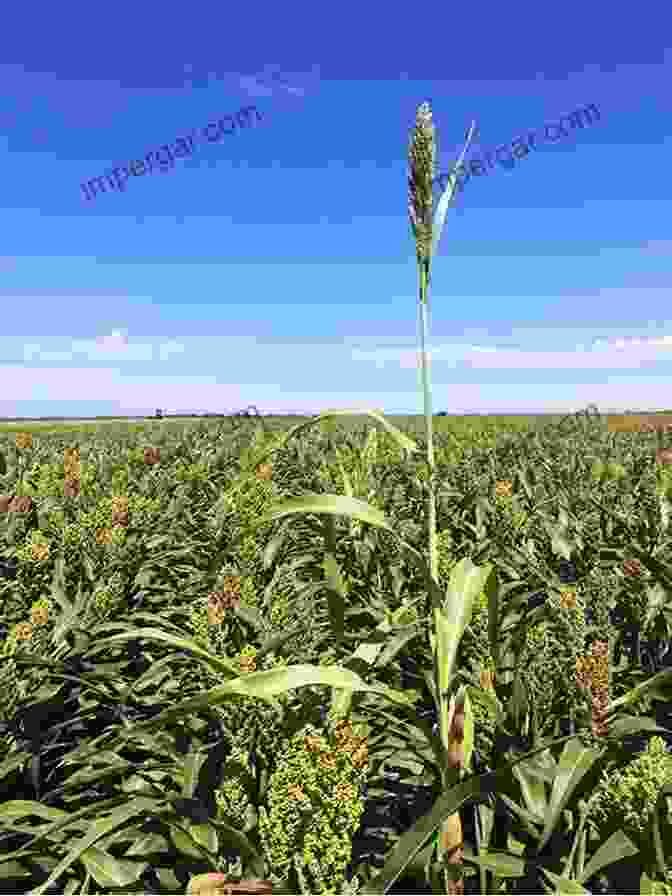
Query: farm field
pixel 215 631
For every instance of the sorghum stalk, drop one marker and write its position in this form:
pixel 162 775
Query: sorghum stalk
pixel 422 153
pixel 421 156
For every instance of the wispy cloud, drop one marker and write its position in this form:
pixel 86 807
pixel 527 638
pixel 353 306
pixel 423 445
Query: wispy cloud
pixel 112 347
pixel 267 83
pixel 625 353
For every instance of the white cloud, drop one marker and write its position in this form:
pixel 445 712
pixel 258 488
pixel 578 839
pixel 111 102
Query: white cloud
pixel 112 347
pixel 605 354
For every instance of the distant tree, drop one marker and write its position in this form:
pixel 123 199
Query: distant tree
pixel 158 414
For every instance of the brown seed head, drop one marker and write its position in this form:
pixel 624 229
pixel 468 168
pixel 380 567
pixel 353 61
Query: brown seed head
pixel 39 615
pixel 216 609
pixel 327 761
pixel 5 501
pixel 504 488
pixel 345 792
pixel 568 598
pixel 313 744
pixel 71 463
pixel 487 679
pixel 120 503
pixel 632 568
pixel 217 884
pixel 231 588
pixel 104 536
pixel 24 440
pixel 360 757
pixel 265 471
pixel 152 456
pixel 294 792
pixel 248 664
pixel 22 504
pixel 120 518
pixel 664 457
pixel 23 631
pixel 71 488
pixel 39 552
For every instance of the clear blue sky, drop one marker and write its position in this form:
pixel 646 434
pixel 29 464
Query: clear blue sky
pixel 277 267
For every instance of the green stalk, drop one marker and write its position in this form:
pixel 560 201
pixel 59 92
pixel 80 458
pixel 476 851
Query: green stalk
pixel 423 307
pixel 422 153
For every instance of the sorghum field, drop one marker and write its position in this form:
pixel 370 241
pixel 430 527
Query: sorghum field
pixel 210 665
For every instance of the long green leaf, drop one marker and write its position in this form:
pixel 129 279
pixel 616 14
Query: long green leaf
pixel 218 663
pixel 466 583
pixel 444 201
pixel 108 871
pixel 100 829
pixel 267 685
pixel 340 505
pixel 574 762
pixel 499 863
pixel 617 847
pixel 533 790
pixel 651 687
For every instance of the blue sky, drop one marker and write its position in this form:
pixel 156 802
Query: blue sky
pixel 276 267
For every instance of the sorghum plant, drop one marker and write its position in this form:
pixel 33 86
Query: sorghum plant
pixel 427 228
pixel 451 612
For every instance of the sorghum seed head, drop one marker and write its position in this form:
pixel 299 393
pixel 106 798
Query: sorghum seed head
pixel 24 440
pixel 327 761
pixel 345 792
pixel 5 501
pixel 39 552
pixel 421 156
pixel 39 615
pixel 21 504
pixel 312 743
pixel 216 609
pixel 504 488
pixel 23 631
pixel 248 664
pixel 152 456
pixel 664 457
pixel 568 598
pixel 487 679
pixel 632 568
pixel 231 586
pixel 71 488
pixel 265 471
pixel 295 792
pixel 103 536
pixel 361 756
pixel 120 518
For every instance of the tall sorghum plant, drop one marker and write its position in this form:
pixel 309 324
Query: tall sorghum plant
pixel 427 226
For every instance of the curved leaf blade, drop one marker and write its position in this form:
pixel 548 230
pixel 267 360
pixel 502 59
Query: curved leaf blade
pixel 405 443
pixel 267 685
pixel 339 505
